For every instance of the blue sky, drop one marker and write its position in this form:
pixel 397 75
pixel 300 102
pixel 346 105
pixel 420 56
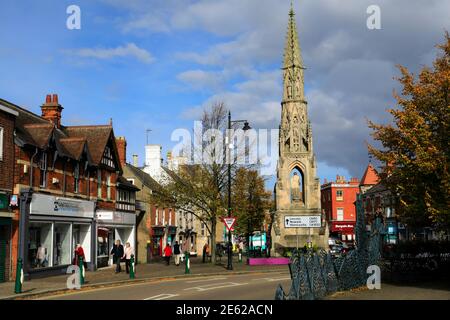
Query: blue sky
pixel 155 64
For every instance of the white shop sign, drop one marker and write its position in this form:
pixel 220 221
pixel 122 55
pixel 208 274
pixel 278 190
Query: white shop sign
pixel 116 217
pixel 42 204
pixel 302 221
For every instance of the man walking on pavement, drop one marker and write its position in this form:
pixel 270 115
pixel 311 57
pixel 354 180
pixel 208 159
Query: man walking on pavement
pixel 177 253
pixel 117 253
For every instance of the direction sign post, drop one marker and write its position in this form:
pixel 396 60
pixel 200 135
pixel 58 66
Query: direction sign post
pixel 303 221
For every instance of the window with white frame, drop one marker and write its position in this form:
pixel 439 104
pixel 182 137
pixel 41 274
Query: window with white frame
pixel 43 169
pixel 339 195
pixel 340 214
pixel 76 177
pixel 170 217
pixel 1 143
pixel 99 183
pixel 108 187
pixel 156 216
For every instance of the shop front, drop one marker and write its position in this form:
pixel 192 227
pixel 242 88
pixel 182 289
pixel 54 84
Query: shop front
pixel 171 235
pixel 56 225
pixel 112 226
pixel 345 230
pixel 5 237
pixel 157 243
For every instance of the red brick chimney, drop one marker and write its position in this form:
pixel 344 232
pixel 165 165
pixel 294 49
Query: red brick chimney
pixel 122 150
pixel 51 110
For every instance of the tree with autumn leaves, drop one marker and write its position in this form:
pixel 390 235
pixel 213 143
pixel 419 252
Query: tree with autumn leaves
pixel 416 146
pixel 251 201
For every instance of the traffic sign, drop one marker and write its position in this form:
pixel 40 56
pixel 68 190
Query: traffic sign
pixel 229 222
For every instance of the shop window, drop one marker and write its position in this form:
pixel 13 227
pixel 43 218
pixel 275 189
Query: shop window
pixel 339 195
pixel 340 214
pixel 43 169
pixel 61 249
pixel 40 245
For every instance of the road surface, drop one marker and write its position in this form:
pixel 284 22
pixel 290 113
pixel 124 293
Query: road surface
pixel 257 286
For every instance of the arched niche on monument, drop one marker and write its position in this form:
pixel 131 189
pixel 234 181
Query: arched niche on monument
pixel 297 186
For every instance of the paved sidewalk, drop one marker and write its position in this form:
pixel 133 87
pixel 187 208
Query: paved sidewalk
pixel 106 276
pixel 393 291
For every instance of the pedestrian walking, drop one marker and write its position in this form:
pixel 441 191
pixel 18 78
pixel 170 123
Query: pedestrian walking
pixel 129 251
pixel 205 252
pixel 79 253
pixel 176 253
pixel 167 253
pixel 117 253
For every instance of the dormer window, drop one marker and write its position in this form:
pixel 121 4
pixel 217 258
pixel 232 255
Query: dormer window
pixel 108 158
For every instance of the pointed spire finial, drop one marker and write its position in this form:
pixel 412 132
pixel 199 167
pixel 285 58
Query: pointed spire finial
pixel 292 13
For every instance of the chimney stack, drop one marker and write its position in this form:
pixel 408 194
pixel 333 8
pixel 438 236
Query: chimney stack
pixel 135 160
pixel 122 150
pixel 51 110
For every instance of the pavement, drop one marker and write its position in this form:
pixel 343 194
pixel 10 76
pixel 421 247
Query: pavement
pixel 153 272
pixel 437 289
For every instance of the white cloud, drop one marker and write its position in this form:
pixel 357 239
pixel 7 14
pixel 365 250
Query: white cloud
pixel 203 80
pixel 349 68
pixel 130 50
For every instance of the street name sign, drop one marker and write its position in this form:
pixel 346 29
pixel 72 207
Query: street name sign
pixel 302 221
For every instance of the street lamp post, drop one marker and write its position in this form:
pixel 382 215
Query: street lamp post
pixel 246 127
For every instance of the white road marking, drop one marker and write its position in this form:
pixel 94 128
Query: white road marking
pixel 162 296
pixel 277 279
pixel 210 279
pixel 216 286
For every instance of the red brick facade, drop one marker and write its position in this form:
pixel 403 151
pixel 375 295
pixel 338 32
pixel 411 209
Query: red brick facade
pixel 337 200
pixel 7 122
pixel 49 157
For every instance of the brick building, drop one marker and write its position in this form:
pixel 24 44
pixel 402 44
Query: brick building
pixel 337 201
pixel 67 181
pixel 7 122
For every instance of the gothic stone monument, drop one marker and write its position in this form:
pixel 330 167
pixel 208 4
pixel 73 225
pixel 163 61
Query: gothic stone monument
pixel 297 190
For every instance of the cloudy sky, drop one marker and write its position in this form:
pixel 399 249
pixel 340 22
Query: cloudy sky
pixel 155 64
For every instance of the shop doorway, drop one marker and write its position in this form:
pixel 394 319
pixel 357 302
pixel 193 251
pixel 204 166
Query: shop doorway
pixel 3 251
pixel 105 240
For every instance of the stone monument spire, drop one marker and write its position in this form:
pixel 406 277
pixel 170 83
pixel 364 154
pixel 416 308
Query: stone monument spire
pixel 293 64
pixel 297 190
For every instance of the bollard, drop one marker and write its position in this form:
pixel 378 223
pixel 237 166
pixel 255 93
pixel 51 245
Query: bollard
pixel 187 263
pixel 240 256
pixel 132 267
pixel 19 276
pixel 80 262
